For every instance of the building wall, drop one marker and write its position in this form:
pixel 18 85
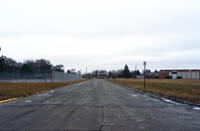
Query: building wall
pixel 163 75
pixel 193 75
pixel 140 76
pixel 185 74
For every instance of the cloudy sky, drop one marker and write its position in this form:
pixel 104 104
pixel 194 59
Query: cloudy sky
pixel 103 34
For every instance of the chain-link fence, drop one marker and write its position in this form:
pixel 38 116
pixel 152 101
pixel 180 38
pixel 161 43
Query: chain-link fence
pixel 37 76
pixel 25 75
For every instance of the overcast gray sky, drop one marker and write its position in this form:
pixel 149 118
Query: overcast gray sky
pixel 103 34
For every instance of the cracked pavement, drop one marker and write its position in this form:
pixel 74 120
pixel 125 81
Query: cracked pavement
pixel 95 105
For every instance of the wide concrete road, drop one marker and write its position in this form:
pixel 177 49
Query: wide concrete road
pixel 95 105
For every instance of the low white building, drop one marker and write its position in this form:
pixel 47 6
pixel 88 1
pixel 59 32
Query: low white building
pixel 183 74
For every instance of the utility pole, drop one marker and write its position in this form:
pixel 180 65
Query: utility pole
pixel 145 63
pixel 86 69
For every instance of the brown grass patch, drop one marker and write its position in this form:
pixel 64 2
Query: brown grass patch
pixel 11 90
pixel 188 90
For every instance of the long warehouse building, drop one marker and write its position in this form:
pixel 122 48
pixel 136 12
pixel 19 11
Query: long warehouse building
pixel 182 74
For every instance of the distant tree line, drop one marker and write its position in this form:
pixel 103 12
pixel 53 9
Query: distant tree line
pixel 39 65
pixel 121 73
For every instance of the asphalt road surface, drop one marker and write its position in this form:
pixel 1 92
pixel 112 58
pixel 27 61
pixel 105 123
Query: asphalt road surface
pixel 96 105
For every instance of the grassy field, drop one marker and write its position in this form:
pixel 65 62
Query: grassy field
pixel 188 90
pixel 12 90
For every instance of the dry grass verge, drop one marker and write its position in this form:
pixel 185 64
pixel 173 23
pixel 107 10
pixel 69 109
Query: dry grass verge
pixel 188 90
pixel 12 90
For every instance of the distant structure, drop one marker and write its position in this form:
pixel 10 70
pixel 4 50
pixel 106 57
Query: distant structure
pixel 148 74
pixel 180 74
